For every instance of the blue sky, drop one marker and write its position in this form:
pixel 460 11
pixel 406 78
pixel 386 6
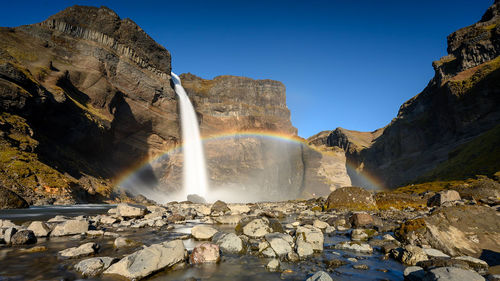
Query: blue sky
pixel 347 64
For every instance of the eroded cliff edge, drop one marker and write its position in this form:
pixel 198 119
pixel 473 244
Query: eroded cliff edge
pixel 448 131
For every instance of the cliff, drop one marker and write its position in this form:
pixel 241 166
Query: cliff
pixel 86 97
pixel 458 106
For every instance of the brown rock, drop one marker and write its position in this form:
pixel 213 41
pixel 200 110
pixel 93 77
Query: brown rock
pixel 360 220
pixel 205 253
pixel 351 198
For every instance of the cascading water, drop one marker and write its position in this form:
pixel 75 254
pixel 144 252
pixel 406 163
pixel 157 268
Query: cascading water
pixel 195 173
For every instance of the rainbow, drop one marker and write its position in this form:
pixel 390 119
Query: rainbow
pixel 269 135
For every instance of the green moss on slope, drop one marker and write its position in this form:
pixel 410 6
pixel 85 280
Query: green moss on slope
pixel 481 156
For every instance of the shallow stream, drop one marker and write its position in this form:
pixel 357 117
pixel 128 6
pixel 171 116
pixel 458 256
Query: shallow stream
pixel 17 264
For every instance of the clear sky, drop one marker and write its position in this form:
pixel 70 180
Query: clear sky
pixel 347 64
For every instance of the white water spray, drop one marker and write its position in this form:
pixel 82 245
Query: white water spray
pixel 195 173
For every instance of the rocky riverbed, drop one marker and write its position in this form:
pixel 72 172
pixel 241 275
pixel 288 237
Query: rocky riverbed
pixel 318 239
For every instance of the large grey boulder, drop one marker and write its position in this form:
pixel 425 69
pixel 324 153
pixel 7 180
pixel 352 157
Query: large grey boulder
pixel 94 266
pixel 70 227
pixel 230 243
pixel 39 228
pixel 149 260
pixel 130 210
pixel 447 196
pixel 257 228
pixel 281 243
pixel 452 274
pixel 303 248
pixel 312 235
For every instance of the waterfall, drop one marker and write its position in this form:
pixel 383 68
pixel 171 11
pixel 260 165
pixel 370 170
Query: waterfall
pixel 195 173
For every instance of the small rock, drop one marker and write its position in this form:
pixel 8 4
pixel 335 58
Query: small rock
pixel 273 265
pixel 203 232
pixel 355 246
pixel 334 263
pixel 35 249
pixel 360 266
pixel 94 266
pixel 320 224
pixel 130 210
pixel 81 251
pixel 411 255
pixel 9 232
pixel 414 273
pixel 293 257
pixel 122 242
pixel 320 276
pixel 205 253
pixel 23 237
pixel 361 219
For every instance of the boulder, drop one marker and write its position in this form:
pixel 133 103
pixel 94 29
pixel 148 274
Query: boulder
pixel 9 232
pixel 219 208
pixel 39 228
pixel 455 230
pixel 70 227
pixel 149 260
pixel 10 200
pixel 312 235
pixel 320 276
pixel 279 242
pixel 411 255
pixel 203 232
pixel 230 243
pixel 433 253
pixel 257 228
pixel 320 224
pixel 86 249
pixel 130 210
pixel 175 218
pixel 443 197
pixel 452 274
pixel 273 265
pixel 205 253
pixel 94 266
pixel 303 248
pixel 413 273
pixel 195 198
pixel 362 234
pixel 361 219
pixel 351 198
pixel 23 237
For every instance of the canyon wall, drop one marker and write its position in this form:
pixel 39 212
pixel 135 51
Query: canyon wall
pixel 448 131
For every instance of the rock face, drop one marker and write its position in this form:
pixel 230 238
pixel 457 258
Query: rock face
pixel 10 200
pixel 85 95
pixel 443 131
